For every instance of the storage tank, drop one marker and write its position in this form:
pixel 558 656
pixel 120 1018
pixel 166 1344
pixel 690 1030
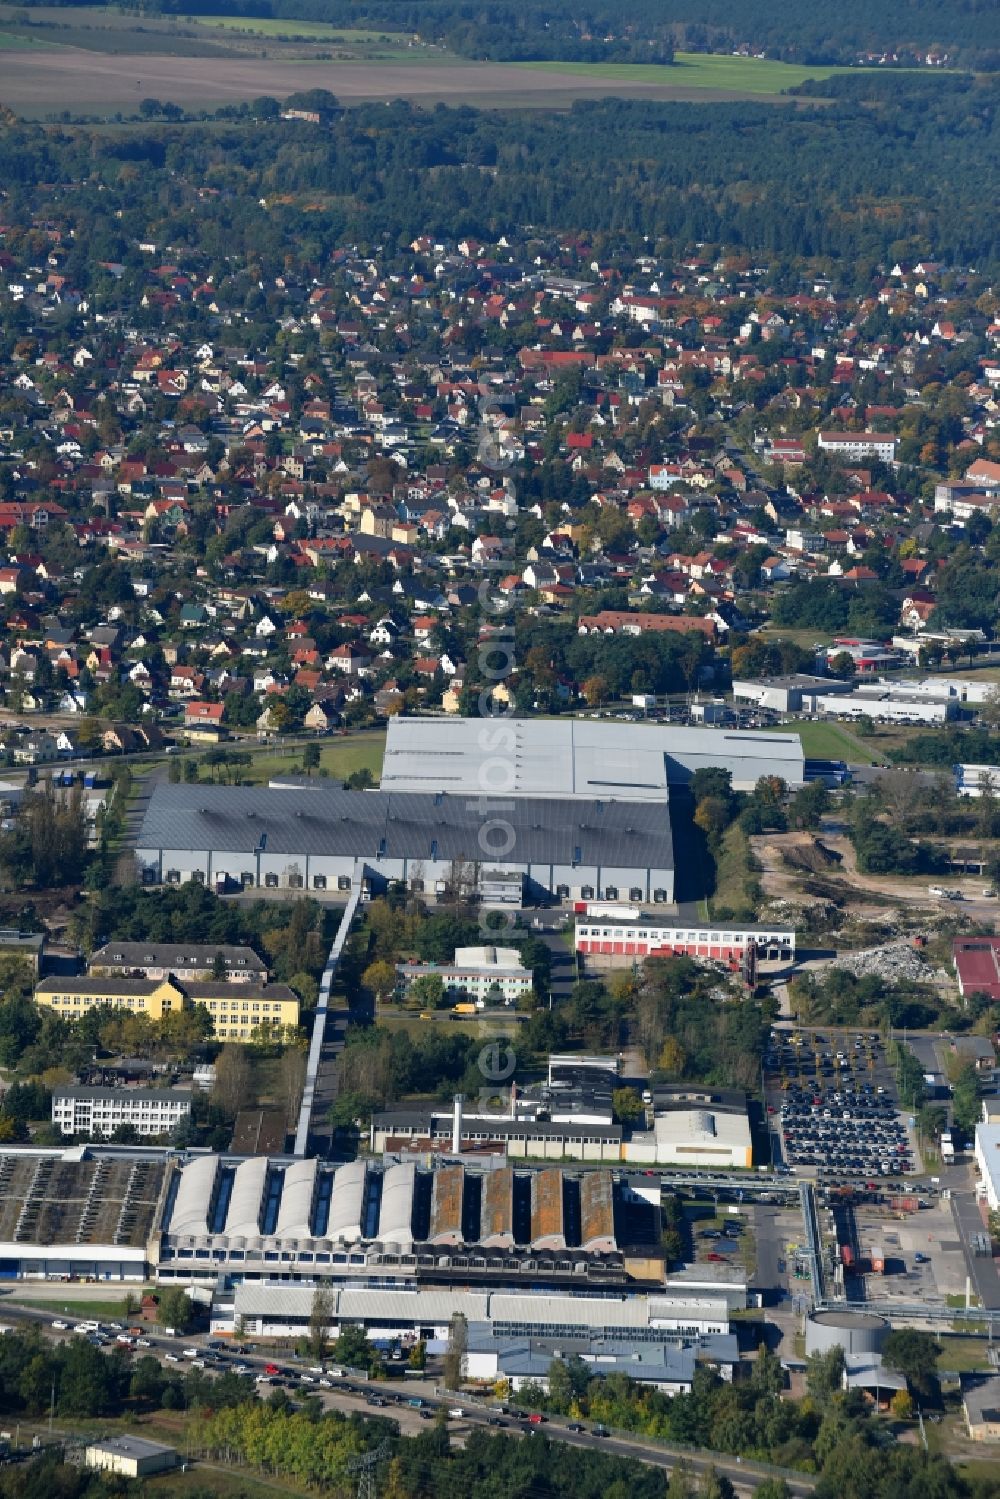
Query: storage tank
pixel 854 1332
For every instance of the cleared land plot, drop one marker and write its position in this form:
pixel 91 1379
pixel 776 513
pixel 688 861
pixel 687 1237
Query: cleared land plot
pixel 100 83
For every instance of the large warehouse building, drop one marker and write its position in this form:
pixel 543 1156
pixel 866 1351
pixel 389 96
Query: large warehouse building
pixel 589 759
pixel 322 838
pixel 566 809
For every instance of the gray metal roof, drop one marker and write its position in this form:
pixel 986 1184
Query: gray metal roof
pixel 176 955
pixel 574 757
pixel 403 825
pixel 124 1095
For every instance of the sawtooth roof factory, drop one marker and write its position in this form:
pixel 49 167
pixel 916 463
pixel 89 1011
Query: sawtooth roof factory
pixel 124 1214
pixel 258 1217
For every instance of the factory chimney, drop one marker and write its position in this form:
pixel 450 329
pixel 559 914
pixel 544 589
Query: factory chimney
pixel 456 1127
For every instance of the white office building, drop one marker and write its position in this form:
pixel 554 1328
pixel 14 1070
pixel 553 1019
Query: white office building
pixel 100 1111
pixel 477 974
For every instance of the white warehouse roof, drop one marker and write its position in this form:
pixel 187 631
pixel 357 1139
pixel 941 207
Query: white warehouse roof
pixel 243 1218
pixel 295 1209
pixel 348 1201
pixel 394 1221
pixel 576 757
pixel 194 1196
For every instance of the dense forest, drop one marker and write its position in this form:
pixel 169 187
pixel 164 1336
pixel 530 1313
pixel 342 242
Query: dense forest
pixel 681 173
pixel 967 30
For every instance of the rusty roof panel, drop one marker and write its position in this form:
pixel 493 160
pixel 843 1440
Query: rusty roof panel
pixel 547 1230
pixel 446 1205
pixel 497 1215
pixel 597 1211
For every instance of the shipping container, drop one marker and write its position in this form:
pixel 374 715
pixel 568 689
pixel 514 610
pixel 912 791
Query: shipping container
pixel 904 1204
pixel 846 1256
pixel 612 910
pixel 876 1258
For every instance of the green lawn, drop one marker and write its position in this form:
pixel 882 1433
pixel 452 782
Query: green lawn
pixel 829 741
pixel 963 1354
pixel 101 1311
pixel 745 75
pixel 487 1023
pixel 339 757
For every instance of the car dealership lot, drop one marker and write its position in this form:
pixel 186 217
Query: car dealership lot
pixel 831 1097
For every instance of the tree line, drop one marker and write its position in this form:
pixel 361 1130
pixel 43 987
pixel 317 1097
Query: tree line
pixel 796 30
pixel 678 173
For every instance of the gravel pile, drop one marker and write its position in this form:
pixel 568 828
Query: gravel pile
pixel 896 963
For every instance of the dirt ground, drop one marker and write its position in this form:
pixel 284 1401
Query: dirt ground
pixel 35 83
pixel 781 882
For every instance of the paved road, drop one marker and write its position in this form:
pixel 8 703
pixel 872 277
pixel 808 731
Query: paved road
pixel 982 1268
pixel 561 962
pixel 745 1476
pixel 321 1132
pixel 768 1236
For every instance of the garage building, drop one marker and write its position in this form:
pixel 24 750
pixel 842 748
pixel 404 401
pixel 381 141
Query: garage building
pixel 131 1457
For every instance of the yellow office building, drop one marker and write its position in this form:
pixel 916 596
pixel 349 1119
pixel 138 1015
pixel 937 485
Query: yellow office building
pixel 236 1009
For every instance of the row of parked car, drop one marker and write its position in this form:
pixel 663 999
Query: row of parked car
pixel 853 1131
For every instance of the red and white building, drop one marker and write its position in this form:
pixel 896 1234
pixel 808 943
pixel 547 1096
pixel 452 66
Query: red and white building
pixel 617 943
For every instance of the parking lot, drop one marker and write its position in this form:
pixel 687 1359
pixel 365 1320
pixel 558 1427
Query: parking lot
pixel 832 1108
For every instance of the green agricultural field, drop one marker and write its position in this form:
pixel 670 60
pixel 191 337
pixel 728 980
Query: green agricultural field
pixel 10 42
pixel 703 70
pixel 321 31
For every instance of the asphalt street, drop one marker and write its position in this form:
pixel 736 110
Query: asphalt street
pixel 745 1476
pixel 982 1268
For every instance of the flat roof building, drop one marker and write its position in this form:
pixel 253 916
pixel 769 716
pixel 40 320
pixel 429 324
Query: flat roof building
pixel 101 1111
pixel 987 1153
pixel 977 965
pixel 131 1457
pixel 268 1309
pixel 325 838
pixel 981 1403
pixel 477 972
pixel 618 942
pixel 582 758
